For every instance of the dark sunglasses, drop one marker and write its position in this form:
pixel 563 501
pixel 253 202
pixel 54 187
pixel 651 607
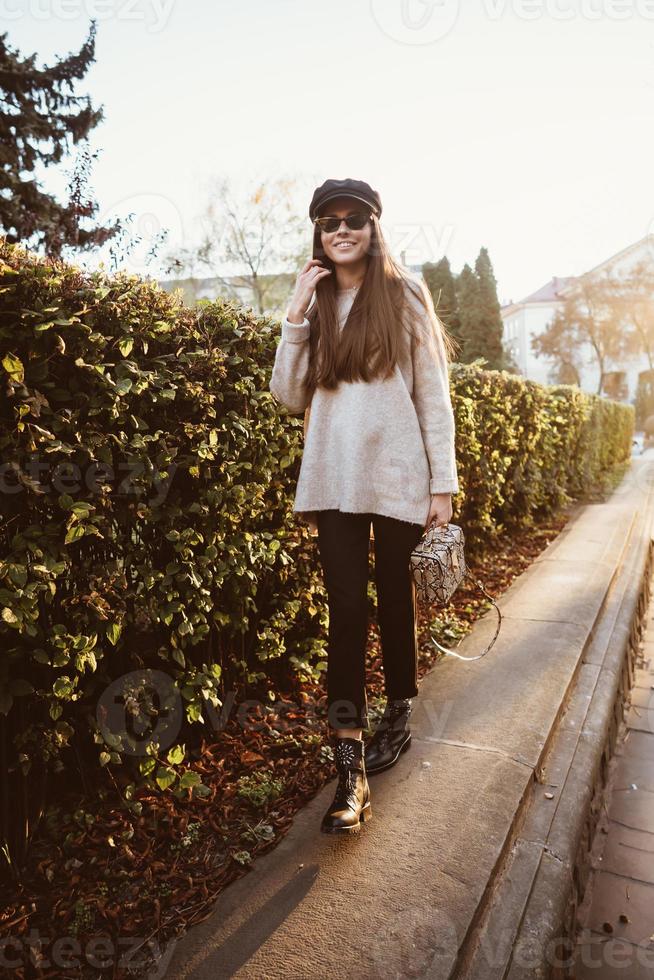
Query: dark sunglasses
pixel 354 221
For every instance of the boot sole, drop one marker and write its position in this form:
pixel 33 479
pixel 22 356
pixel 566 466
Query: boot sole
pixel 403 748
pixel 365 814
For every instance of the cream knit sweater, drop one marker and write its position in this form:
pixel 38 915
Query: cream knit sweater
pixel 383 446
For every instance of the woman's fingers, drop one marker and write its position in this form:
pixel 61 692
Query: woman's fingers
pixel 311 276
pixel 312 272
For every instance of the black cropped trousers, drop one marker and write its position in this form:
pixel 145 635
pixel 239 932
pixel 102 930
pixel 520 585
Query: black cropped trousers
pixel 344 549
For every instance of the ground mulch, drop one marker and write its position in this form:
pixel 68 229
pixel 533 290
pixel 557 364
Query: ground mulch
pixel 97 871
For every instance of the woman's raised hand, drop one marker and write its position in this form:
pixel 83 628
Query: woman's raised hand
pixel 305 286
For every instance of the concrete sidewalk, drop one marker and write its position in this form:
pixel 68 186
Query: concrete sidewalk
pixel 411 895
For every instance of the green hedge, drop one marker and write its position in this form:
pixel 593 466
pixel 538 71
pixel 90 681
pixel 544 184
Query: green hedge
pixel 146 496
pixel 525 450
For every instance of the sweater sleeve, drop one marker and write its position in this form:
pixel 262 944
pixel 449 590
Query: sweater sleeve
pixel 432 400
pixel 291 366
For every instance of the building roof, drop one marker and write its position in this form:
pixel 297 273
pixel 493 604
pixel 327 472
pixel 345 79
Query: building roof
pixel 642 245
pixel 550 292
pixel 555 288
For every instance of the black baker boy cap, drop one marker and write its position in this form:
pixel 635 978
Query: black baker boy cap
pixel 358 189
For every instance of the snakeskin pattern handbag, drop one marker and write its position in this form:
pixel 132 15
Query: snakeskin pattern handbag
pixel 438 566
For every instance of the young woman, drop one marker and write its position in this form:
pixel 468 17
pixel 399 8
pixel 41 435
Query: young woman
pixel 362 346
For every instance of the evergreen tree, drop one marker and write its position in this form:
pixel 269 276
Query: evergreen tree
pixel 469 305
pixel 489 328
pixel 35 110
pixel 480 323
pixel 440 282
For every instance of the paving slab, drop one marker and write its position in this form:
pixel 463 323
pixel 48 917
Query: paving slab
pixel 644 679
pixel 601 957
pixel 640 719
pixel 637 743
pixel 615 895
pixel 628 852
pixel 633 770
pixel 643 698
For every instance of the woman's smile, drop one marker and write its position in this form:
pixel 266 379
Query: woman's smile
pixel 354 248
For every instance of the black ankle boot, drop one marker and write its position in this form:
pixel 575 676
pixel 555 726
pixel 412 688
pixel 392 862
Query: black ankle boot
pixel 351 805
pixel 392 736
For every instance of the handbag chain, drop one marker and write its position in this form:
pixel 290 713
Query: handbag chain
pixel 459 656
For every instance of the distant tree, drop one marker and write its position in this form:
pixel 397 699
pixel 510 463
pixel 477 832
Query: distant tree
pixel 34 110
pixel 591 317
pixel 252 243
pixel 560 345
pixel 441 284
pixel 634 297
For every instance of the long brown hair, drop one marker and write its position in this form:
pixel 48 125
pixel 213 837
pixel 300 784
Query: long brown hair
pixel 369 344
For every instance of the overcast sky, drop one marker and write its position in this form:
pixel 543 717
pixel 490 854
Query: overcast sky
pixel 527 127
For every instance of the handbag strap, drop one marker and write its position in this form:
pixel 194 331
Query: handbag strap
pixel 459 656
